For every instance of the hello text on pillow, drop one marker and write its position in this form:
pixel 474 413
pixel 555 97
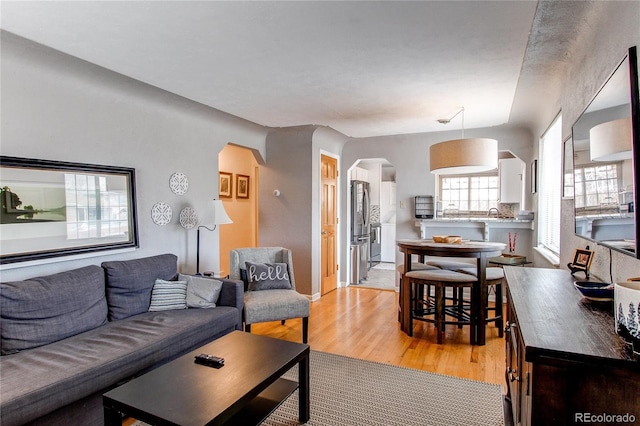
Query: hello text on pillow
pixel 268 276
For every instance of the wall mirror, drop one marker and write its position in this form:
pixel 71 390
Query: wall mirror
pixel 52 208
pixel 606 147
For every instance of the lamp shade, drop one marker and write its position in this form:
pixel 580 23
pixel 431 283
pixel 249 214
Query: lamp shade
pixel 460 156
pixel 215 214
pixel 611 141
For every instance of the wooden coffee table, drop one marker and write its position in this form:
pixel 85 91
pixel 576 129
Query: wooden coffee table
pixel 244 391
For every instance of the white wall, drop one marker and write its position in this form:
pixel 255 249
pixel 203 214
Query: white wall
pixel 57 107
pixel 614 29
pixel 292 220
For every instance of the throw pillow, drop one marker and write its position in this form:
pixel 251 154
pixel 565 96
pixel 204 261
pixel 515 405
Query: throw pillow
pixel 268 276
pixel 201 292
pixel 167 295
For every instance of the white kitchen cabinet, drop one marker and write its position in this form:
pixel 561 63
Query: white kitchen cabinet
pixel 511 172
pixel 358 173
pixel 388 240
pixel 388 202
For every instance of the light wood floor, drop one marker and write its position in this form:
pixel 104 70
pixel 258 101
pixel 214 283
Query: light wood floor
pixel 362 323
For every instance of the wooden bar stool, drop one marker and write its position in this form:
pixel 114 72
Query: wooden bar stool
pixel 435 310
pixel 452 264
pixel 495 279
pixel 415 266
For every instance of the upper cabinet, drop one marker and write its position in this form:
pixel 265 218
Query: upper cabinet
pixel 359 173
pixel 511 171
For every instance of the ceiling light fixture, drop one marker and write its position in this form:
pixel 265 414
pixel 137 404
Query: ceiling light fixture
pixel 611 141
pixel 461 156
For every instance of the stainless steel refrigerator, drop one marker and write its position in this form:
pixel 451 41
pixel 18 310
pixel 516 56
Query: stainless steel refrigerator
pixel 360 230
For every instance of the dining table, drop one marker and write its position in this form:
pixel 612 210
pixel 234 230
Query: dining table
pixel 480 250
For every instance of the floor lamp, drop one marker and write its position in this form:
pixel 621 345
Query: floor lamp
pixel 216 215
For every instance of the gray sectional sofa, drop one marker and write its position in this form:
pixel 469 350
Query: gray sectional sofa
pixel 69 337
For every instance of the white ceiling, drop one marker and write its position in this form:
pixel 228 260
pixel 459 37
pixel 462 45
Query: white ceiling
pixel 362 68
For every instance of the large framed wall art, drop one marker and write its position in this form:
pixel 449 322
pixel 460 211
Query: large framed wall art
pixel 52 208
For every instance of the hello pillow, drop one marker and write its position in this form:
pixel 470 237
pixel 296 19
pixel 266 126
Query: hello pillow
pixel 268 276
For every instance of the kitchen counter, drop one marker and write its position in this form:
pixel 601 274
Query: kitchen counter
pixel 474 228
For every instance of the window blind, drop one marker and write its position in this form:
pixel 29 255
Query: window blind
pixel 550 180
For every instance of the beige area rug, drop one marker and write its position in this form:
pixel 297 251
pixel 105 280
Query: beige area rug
pixel 349 391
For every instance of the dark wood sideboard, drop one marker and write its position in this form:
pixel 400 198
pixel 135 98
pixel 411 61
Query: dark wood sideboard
pixel 565 363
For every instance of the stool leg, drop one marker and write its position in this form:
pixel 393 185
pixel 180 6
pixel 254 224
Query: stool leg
pixel 399 299
pixel 412 295
pixel 499 316
pixel 439 312
pixel 460 302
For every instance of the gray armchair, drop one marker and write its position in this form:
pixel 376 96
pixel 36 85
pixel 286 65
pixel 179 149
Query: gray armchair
pixel 274 304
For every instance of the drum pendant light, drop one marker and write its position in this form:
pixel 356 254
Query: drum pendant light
pixel 465 155
pixel 611 141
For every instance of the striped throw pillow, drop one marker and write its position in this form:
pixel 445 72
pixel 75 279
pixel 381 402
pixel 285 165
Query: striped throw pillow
pixel 167 295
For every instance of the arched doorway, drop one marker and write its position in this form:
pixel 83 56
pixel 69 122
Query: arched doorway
pixel 378 271
pixel 242 204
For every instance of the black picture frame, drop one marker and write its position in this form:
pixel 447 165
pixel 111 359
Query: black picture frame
pixel 582 259
pixel 55 208
pixel 242 186
pixel 225 185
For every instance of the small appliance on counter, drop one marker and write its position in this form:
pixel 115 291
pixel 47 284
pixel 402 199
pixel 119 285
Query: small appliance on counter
pixel 525 215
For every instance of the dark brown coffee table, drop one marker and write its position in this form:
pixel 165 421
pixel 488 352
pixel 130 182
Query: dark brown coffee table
pixel 245 391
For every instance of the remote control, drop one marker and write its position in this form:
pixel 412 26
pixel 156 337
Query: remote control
pixel 209 360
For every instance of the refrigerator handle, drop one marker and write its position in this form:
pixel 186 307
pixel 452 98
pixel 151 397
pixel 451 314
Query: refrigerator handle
pixel 365 206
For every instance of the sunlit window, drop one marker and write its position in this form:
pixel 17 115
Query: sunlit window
pixel 93 210
pixel 550 174
pixel 597 186
pixel 469 193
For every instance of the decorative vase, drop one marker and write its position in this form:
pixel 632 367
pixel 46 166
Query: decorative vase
pixel 627 303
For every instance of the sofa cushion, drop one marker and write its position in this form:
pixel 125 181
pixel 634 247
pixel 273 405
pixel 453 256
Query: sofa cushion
pixel 201 292
pixel 168 295
pixel 274 305
pixel 268 276
pixel 129 283
pixel 43 310
pixel 38 381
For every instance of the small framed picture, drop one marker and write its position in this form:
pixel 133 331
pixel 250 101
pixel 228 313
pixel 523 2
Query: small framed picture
pixel 582 259
pixel 242 186
pixel 225 185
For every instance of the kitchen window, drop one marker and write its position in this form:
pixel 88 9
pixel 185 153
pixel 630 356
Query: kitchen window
pixel 597 187
pixel 469 194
